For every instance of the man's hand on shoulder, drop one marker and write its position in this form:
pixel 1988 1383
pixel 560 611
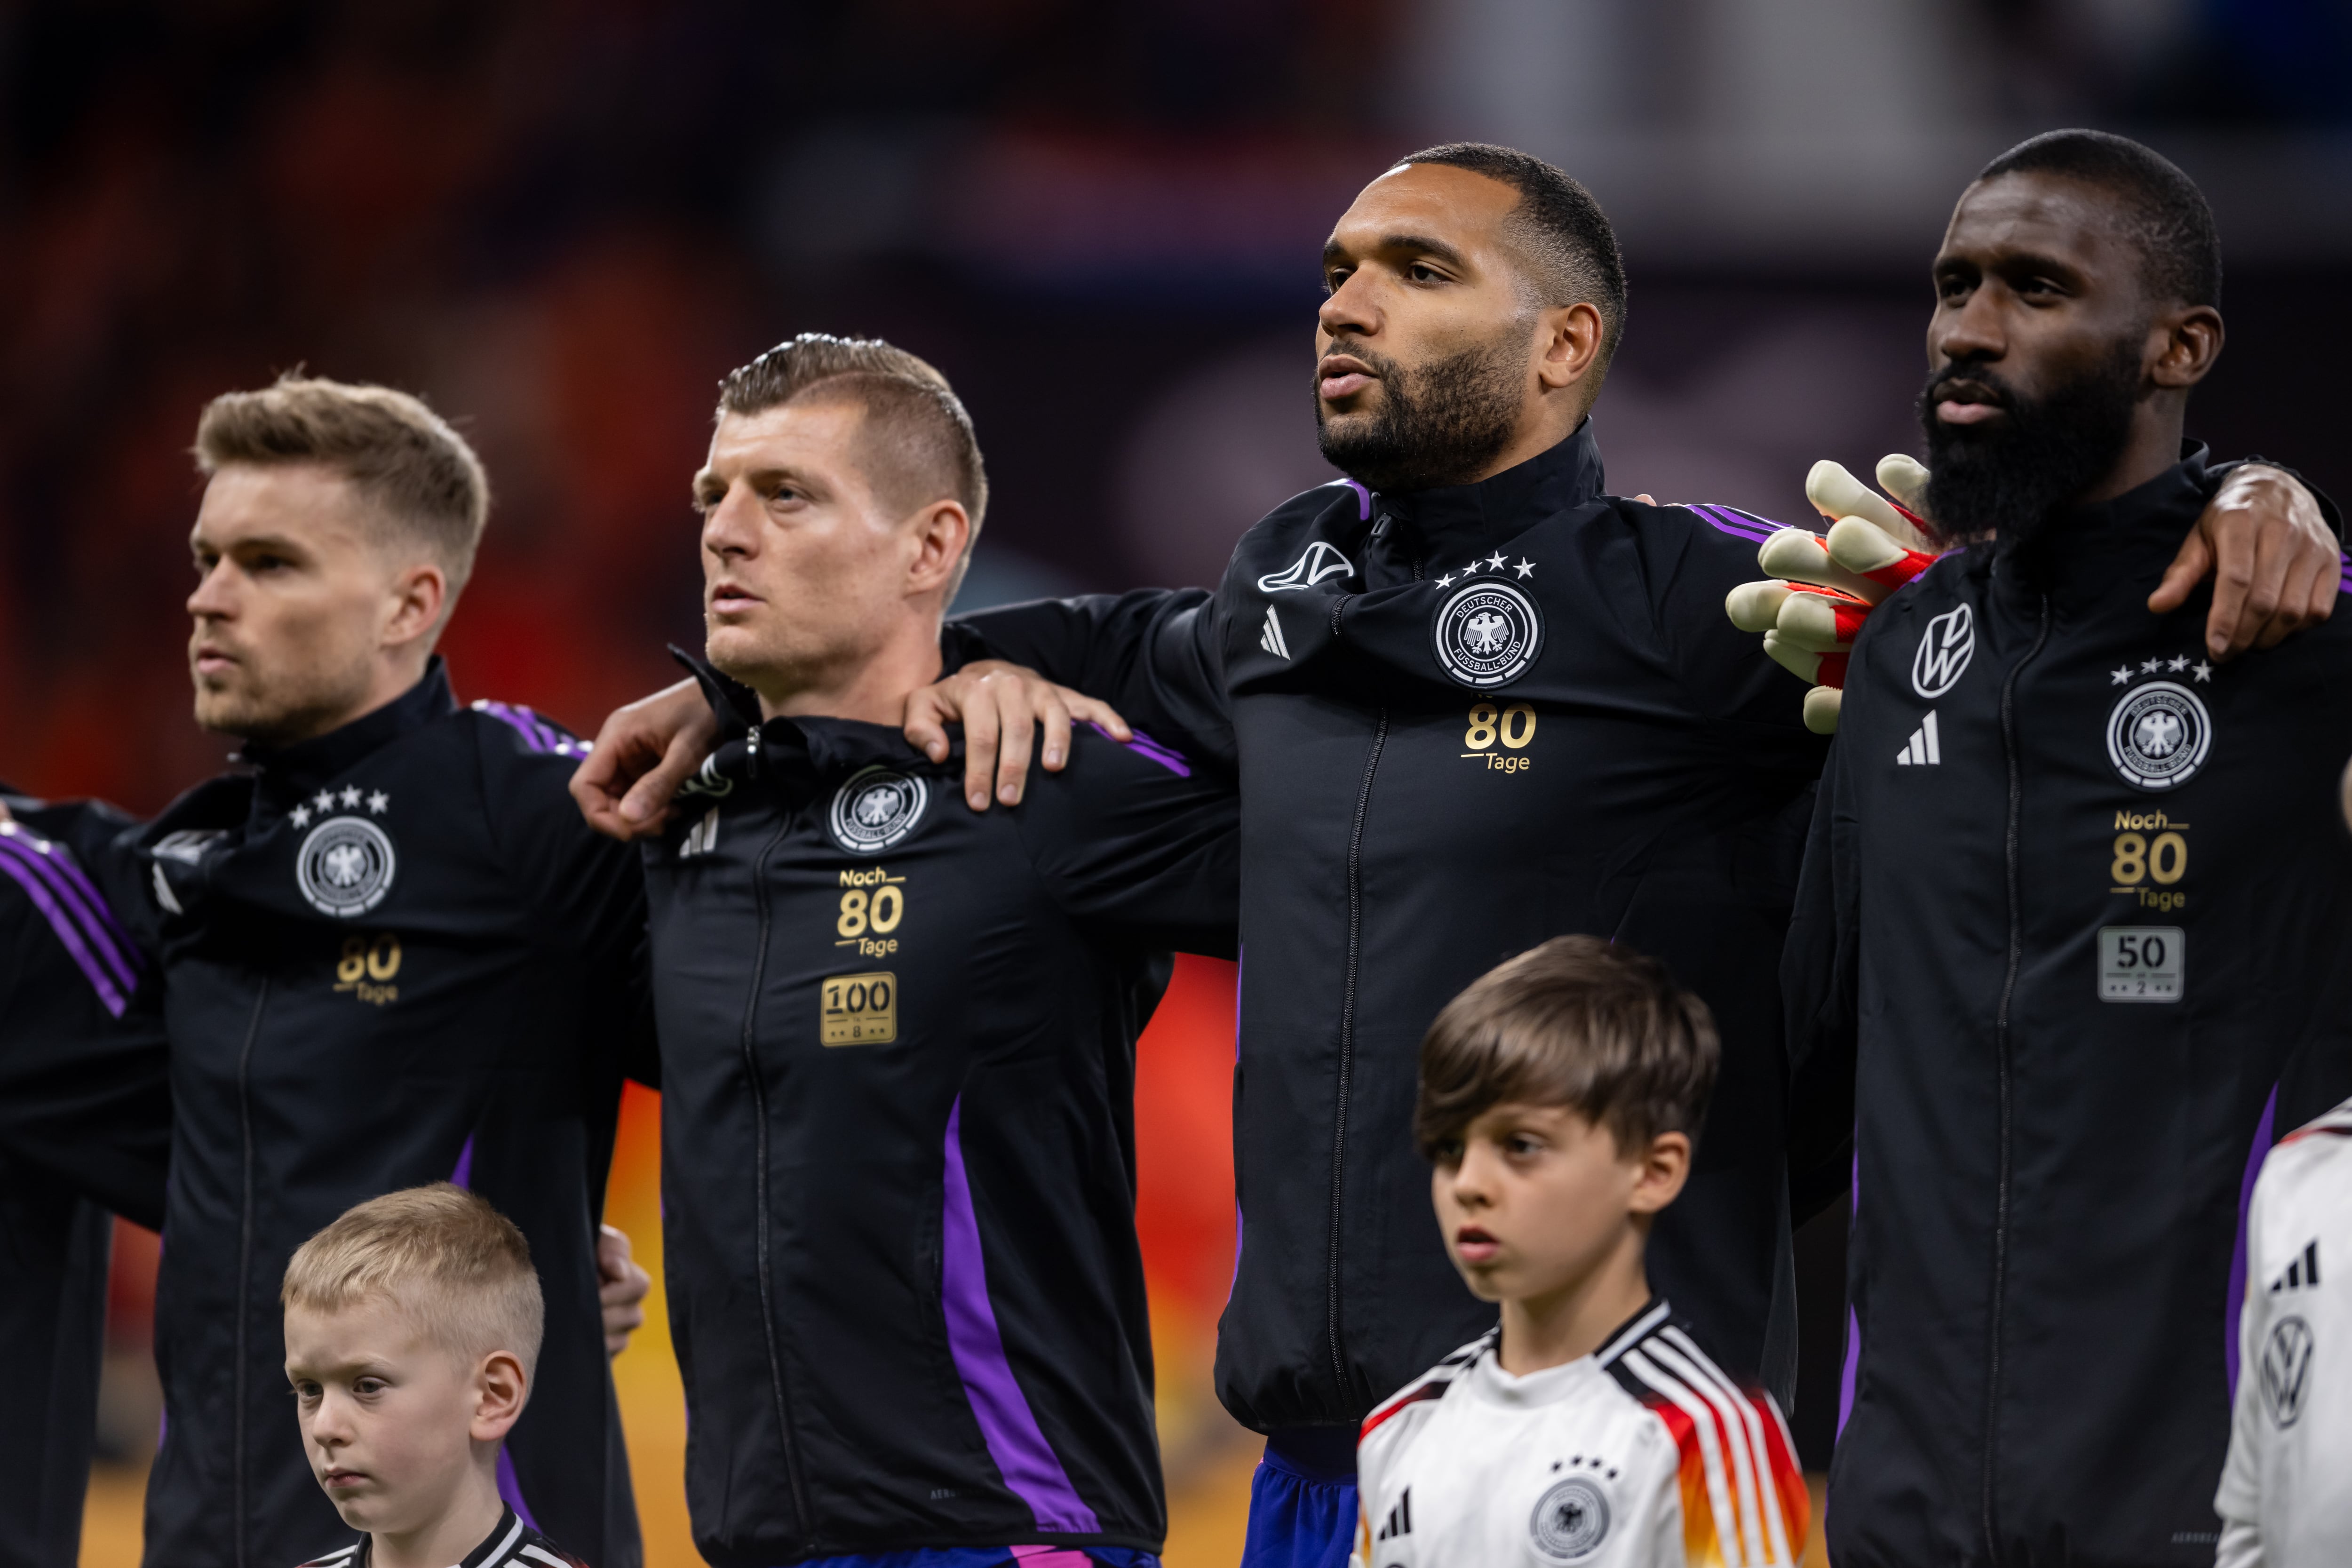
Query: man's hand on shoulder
pixel 622 1287
pixel 2274 563
pixel 1822 586
pixel 1001 707
pixel 644 752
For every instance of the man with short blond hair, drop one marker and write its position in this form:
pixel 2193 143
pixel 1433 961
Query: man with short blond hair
pixel 898 1199
pixel 388 952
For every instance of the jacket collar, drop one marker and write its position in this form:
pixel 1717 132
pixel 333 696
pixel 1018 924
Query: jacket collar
pixel 1497 510
pixel 2090 547
pixel 801 754
pixel 284 775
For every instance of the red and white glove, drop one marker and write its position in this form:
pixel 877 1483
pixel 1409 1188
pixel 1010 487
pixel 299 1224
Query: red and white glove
pixel 1825 584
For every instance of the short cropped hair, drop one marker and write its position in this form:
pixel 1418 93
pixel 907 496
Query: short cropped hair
pixel 402 457
pixel 916 439
pixel 2165 214
pixel 456 1266
pixel 1579 1023
pixel 1566 234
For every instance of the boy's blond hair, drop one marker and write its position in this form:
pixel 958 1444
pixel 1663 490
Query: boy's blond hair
pixel 455 1266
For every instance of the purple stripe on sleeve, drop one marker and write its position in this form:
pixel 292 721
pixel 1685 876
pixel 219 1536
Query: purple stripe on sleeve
pixel 1143 745
pixel 2237 1300
pixel 122 959
pixel 2346 579
pixel 1026 1460
pixel 69 932
pixel 83 901
pixel 511 1489
pixel 519 720
pixel 463 1176
pixel 1363 500
pixel 1726 520
pixel 1853 1367
pixel 65 866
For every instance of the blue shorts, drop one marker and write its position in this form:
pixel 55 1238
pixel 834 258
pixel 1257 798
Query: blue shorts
pixel 1303 1500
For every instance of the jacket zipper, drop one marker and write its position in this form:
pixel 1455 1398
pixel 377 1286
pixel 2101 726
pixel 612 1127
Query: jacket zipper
pixel 2001 1074
pixel 1347 1038
pixel 245 1254
pixel 759 1195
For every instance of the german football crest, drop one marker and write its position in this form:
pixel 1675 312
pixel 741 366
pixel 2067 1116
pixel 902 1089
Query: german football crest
pixel 345 867
pixel 1570 1521
pixel 2157 735
pixel 876 809
pixel 1486 635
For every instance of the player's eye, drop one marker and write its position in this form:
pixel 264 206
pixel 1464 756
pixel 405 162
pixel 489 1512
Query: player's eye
pixel 1422 272
pixel 368 1387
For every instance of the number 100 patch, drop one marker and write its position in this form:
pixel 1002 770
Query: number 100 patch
pixel 2142 963
pixel 858 1010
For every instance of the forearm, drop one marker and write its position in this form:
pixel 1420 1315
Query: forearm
pixel 1150 654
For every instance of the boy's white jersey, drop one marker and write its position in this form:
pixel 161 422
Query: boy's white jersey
pixel 1643 1455
pixel 2286 1489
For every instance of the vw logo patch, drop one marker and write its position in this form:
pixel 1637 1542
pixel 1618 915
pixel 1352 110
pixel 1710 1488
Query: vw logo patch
pixel 345 867
pixel 1570 1521
pixel 1945 648
pixel 2286 1370
pixel 2157 735
pixel 1487 634
pixel 876 809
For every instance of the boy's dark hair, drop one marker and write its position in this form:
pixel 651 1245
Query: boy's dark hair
pixel 2165 214
pixel 1567 236
pixel 1577 1022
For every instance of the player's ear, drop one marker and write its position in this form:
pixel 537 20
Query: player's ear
pixel 941 531
pixel 418 593
pixel 500 1388
pixel 1568 346
pixel 1664 1167
pixel 2192 342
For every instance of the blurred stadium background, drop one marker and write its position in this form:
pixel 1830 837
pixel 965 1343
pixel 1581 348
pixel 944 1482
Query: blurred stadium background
pixel 562 220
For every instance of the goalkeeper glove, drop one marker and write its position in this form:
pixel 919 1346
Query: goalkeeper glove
pixel 1825 584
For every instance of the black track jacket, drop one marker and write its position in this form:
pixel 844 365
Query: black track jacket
pixel 899 1173
pixel 1467 720
pixel 2077 898
pixel 391 955
pixel 85 1126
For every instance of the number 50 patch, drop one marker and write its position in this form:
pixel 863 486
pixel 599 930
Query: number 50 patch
pixel 859 1010
pixel 2142 963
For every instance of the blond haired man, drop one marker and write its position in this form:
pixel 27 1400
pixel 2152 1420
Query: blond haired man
pixel 412 1326
pixel 389 953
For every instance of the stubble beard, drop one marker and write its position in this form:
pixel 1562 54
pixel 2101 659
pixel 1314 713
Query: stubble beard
pixel 2013 478
pixel 1440 422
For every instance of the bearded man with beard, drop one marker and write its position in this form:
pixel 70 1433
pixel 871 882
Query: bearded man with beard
pixel 2069 938
pixel 1470 702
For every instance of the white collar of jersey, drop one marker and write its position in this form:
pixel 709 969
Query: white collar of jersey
pixel 1549 1385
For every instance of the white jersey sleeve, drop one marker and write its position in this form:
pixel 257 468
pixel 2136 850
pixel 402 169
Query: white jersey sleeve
pixel 2287 1487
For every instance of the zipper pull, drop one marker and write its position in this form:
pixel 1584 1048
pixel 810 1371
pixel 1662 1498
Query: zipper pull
pixel 751 745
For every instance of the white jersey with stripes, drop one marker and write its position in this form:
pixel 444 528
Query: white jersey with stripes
pixel 2287 1487
pixel 511 1543
pixel 1641 1455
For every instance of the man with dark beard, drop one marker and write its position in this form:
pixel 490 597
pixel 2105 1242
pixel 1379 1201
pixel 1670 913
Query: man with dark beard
pixel 2069 939
pixel 1472 703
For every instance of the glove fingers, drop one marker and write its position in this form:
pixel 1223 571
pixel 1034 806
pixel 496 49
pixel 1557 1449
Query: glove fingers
pixel 1836 493
pixel 1863 548
pixel 1820 622
pixel 1754 606
pixel 1822 710
pixel 1803 557
pixel 1905 480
